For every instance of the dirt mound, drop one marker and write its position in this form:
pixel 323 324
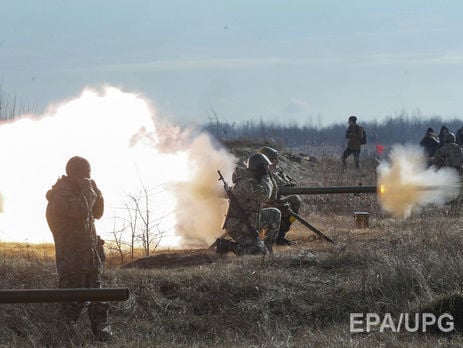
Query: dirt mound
pixel 173 259
pixel 300 166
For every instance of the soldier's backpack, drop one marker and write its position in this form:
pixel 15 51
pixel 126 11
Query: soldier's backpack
pixel 363 141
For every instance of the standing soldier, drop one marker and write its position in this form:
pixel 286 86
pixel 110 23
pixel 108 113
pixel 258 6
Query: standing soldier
pixel 430 143
pixel 355 136
pixel 281 180
pixel 252 188
pixel 449 155
pixel 459 136
pixel 73 204
pixel 444 130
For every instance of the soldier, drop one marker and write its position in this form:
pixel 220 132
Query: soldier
pixel 459 136
pixel 252 188
pixel 449 155
pixel 74 202
pixel 281 180
pixel 430 143
pixel 354 134
pixel 444 130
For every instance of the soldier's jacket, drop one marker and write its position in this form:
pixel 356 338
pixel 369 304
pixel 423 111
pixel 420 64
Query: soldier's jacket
pixel 449 155
pixel 70 214
pixel 354 135
pixel 430 143
pixel 282 179
pixel 251 194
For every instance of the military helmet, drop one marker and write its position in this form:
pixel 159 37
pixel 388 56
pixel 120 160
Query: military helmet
pixel 270 152
pixel 78 167
pixel 257 162
pixel 450 138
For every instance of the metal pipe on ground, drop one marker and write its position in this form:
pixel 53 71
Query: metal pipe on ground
pixel 63 295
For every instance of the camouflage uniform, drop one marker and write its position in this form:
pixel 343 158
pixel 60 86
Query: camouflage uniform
pixel 295 202
pixel 430 143
pixel 251 193
pixel 70 215
pixel 281 179
pixel 449 155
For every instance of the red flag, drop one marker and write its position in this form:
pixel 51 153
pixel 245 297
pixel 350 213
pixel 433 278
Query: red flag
pixel 379 149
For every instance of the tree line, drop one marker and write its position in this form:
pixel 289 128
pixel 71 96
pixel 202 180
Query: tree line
pixel 11 106
pixel 400 129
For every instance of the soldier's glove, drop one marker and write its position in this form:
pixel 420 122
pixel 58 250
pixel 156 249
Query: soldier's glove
pixel 95 188
pixel 86 187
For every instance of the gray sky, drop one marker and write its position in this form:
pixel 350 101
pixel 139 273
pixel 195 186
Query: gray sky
pixel 312 61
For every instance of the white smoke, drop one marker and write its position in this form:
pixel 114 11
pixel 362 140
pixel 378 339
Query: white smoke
pixel 201 203
pixel 407 184
pixel 131 151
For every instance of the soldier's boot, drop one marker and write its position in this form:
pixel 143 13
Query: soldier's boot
pixel 268 247
pixel 285 224
pixel 225 245
pixel 71 311
pixel 257 248
pixel 98 315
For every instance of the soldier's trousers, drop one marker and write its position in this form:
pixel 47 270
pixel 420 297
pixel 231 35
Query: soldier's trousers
pixel 97 311
pixel 347 152
pixel 295 202
pixel 247 244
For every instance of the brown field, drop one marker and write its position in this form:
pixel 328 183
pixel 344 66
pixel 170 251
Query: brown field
pixel 301 296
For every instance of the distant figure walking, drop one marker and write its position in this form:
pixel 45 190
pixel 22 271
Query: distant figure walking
pixel 355 136
pixel 442 133
pixel 430 143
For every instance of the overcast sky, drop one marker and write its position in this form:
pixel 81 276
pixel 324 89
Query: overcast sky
pixel 312 61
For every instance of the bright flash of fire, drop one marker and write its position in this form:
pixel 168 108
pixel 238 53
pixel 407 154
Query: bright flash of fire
pixel 381 189
pixel 130 150
pixel 406 184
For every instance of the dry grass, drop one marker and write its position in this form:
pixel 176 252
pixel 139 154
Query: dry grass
pixel 291 299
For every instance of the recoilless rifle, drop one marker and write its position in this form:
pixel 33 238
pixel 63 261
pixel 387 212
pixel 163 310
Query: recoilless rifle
pixel 291 190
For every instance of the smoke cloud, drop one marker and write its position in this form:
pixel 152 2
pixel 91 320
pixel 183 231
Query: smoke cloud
pixel 407 184
pixel 134 155
pixel 200 202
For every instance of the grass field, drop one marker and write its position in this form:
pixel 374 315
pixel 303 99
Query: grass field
pixel 301 296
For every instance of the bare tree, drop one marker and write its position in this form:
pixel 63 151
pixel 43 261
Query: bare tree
pixel 140 223
pixel 215 118
pixel 118 242
pixel 10 106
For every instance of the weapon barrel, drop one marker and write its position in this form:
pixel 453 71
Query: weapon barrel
pixel 285 191
pixel 63 295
